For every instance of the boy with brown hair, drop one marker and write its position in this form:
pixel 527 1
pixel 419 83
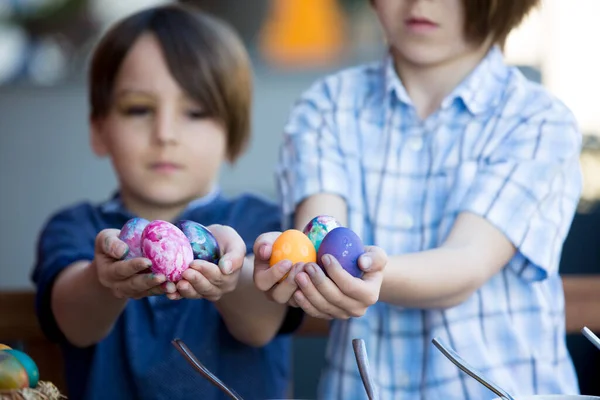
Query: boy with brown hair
pixel 170 101
pixel 467 175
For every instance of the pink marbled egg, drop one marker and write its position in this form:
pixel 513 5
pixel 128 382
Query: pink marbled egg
pixel 168 249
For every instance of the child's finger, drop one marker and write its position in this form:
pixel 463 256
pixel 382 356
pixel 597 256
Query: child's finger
pixel 121 270
pixel 155 291
pixel 209 270
pixel 109 244
pixel 186 290
pixel 168 287
pixel 292 303
pixel 139 284
pixel 316 298
pixel 263 246
pixel 266 279
pixel 283 292
pixel 308 308
pixel 195 281
pixel 373 259
pixel 364 291
pixel 232 246
pixel 174 296
pixel 345 293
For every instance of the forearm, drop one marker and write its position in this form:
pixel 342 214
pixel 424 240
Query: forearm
pixel 438 278
pixel 248 314
pixel 84 309
pixel 321 204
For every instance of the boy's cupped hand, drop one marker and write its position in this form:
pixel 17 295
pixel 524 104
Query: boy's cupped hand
pixel 337 295
pixel 125 278
pixel 205 280
pixel 278 282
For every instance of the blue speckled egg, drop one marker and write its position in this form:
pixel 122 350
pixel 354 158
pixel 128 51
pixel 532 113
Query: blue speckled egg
pixel 319 227
pixel 346 246
pixel 131 234
pixel 204 244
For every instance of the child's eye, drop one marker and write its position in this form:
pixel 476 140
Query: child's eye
pixel 137 110
pixel 197 114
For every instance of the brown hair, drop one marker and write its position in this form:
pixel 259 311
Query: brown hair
pixel 204 55
pixel 494 18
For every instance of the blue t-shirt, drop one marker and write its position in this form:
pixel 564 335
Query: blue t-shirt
pixel 137 360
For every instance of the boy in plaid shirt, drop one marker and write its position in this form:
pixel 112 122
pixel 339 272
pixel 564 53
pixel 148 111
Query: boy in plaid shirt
pixel 467 175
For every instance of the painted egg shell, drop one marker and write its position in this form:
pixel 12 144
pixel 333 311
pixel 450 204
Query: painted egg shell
pixel 4 347
pixel 293 245
pixel 131 233
pixel 345 245
pixel 318 227
pixel 204 244
pixel 13 374
pixel 33 374
pixel 168 249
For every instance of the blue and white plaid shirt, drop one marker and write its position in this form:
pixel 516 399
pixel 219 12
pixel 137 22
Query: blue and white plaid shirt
pixel 499 146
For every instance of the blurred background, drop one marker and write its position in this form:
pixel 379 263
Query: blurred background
pixel 46 163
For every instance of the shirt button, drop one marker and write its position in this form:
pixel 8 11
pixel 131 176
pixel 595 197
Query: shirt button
pixel 405 221
pixel 415 143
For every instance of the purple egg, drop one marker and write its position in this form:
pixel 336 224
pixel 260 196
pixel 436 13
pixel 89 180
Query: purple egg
pixel 346 246
pixel 204 244
pixel 131 234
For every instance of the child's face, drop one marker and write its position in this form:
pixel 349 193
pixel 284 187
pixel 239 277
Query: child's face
pixel 424 32
pixel 163 148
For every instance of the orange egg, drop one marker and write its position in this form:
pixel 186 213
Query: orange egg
pixel 4 347
pixel 293 245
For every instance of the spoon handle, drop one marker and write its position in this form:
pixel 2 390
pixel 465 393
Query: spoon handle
pixel 198 366
pixel 360 352
pixel 591 336
pixel 469 370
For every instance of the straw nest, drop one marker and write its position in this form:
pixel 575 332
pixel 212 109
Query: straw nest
pixel 43 391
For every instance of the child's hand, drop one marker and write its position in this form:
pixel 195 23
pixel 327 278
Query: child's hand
pixel 341 296
pixel 205 280
pixel 122 277
pixel 267 278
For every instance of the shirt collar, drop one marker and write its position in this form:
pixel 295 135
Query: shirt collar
pixel 115 204
pixel 480 91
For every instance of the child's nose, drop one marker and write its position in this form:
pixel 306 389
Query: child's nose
pixel 165 130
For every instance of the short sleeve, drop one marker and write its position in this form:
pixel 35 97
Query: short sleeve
pixel 529 186
pixel 66 238
pixel 311 160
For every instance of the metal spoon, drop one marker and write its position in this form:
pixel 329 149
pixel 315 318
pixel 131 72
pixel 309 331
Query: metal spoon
pixel 469 370
pixel 187 353
pixel 591 336
pixel 360 352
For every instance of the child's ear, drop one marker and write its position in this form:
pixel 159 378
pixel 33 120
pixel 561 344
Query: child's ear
pixel 97 138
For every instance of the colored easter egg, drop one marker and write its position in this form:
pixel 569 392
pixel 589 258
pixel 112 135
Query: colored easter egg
pixel 4 347
pixel 33 374
pixel 167 248
pixel 293 245
pixel 131 234
pixel 318 227
pixel 13 374
pixel 204 244
pixel 346 246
